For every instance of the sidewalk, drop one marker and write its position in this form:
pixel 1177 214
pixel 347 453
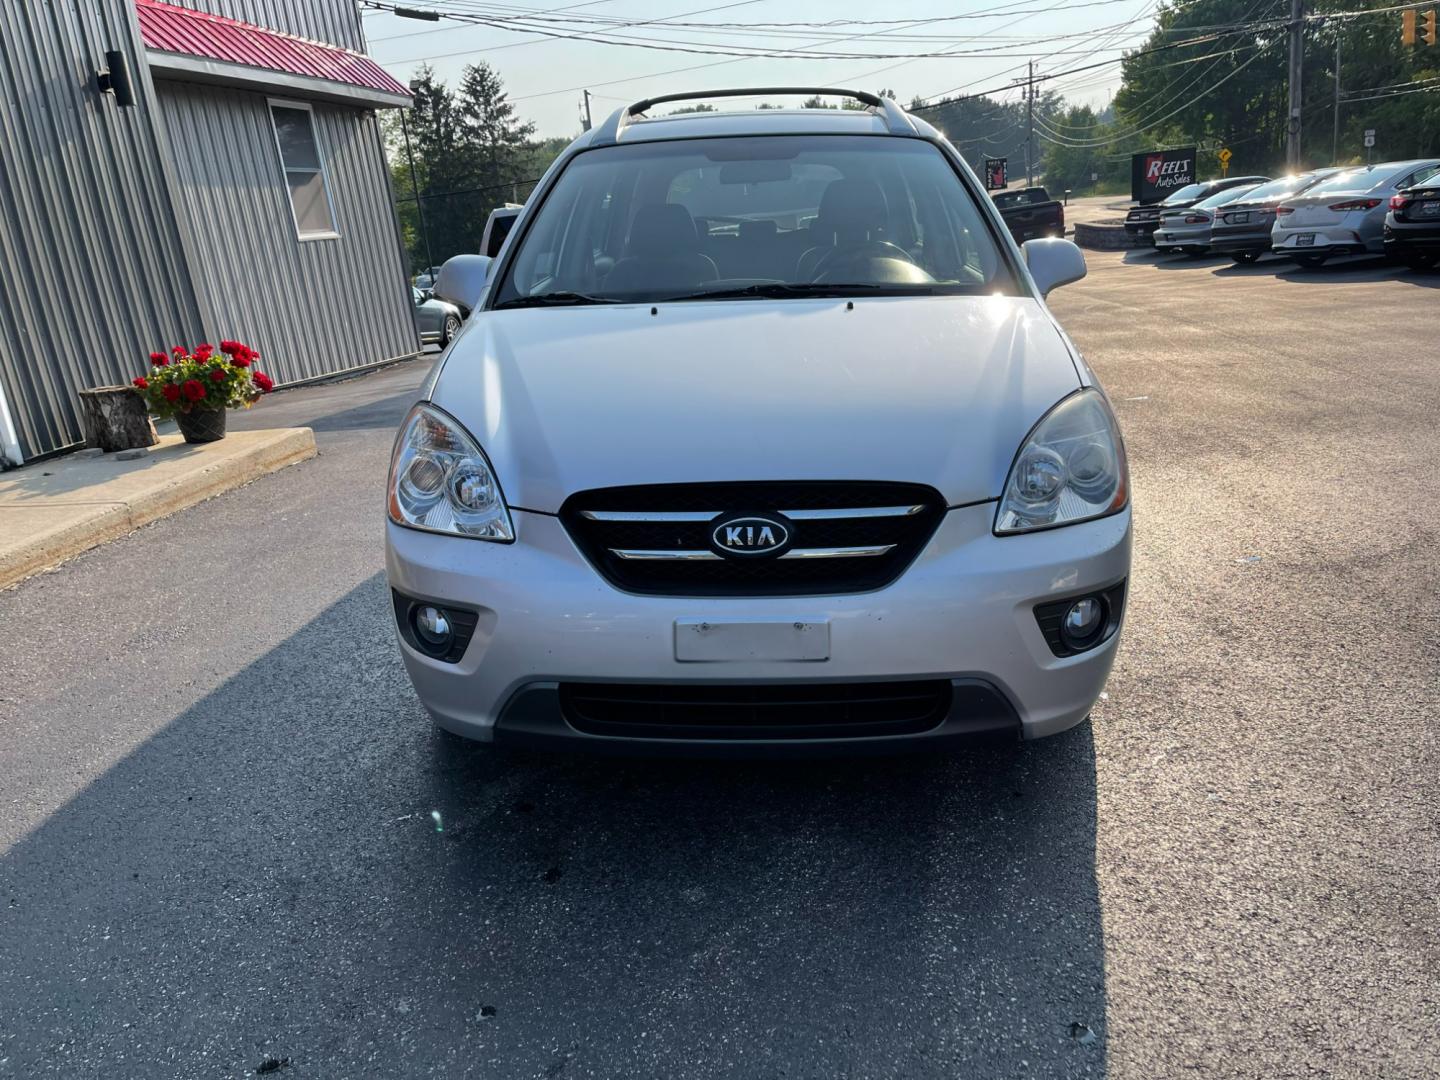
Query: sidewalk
pixel 54 510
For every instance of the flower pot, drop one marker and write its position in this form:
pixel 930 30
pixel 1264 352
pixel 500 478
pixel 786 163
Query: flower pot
pixel 202 425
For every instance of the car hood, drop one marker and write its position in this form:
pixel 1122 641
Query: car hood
pixel 932 390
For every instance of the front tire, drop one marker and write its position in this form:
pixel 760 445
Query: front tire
pixel 1421 261
pixel 1245 257
pixel 450 328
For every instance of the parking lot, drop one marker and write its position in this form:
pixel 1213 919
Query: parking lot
pixel 217 848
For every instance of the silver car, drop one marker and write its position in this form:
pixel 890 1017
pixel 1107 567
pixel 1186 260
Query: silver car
pixel 1344 214
pixel 1242 229
pixel 437 320
pixel 867 496
pixel 1188 231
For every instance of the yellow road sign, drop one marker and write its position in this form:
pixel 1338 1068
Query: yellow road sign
pixel 1225 156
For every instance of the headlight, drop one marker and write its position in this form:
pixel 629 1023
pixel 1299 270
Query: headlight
pixel 1071 468
pixel 441 481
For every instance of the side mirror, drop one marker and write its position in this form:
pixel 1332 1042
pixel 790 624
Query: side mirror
pixel 462 280
pixel 1053 262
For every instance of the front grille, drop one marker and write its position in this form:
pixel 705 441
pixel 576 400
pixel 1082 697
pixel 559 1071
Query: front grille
pixel 729 711
pixel 844 536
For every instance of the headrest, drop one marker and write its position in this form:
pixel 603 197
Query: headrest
pixel 663 231
pixel 757 230
pixel 852 206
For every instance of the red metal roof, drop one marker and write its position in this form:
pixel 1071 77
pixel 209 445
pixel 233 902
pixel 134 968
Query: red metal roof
pixel 167 28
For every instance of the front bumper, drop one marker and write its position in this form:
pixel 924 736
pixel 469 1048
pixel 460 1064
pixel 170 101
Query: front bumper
pixel 964 610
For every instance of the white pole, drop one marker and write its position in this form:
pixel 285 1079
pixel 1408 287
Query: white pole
pixel 9 440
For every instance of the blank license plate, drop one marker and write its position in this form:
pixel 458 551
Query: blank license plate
pixel 1305 239
pixel 1428 209
pixel 735 641
pixel 1238 219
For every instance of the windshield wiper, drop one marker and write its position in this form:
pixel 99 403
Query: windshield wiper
pixel 553 299
pixel 781 290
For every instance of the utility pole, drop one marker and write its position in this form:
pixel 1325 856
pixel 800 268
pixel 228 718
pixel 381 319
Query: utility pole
pixel 1029 122
pixel 415 186
pixel 1297 31
pixel 1335 149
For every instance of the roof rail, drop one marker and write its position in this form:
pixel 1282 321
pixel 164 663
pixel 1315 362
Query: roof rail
pixel 894 116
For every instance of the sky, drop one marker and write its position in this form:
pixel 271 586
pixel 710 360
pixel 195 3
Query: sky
pixel 544 76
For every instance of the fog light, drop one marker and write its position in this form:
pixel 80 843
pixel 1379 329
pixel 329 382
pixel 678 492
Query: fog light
pixel 1083 622
pixel 433 628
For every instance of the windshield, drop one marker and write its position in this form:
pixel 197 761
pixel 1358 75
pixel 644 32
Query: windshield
pixel 1355 180
pixel 766 216
pixel 1028 197
pixel 1185 194
pixel 1279 189
pixel 1229 195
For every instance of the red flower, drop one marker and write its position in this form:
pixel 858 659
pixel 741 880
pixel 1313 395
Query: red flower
pixel 240 360
pixel 159 359
pixel 228 347
pixel 263 381
pixel 217 374
pixel 193 389
pixel 141 382
pixel 171 392
pixel 178 350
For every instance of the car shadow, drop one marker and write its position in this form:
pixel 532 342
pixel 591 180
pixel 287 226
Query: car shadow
pixel 299 866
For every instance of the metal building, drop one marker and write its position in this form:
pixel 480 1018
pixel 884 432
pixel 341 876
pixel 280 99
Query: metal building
pixel 230 183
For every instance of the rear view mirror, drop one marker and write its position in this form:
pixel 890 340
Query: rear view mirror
pixel 754 172
pixel 1053 262
pixel 462 280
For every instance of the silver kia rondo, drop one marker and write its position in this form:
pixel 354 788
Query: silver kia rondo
pixel 761 439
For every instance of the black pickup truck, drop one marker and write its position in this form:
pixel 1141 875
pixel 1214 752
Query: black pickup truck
pixel 1030 212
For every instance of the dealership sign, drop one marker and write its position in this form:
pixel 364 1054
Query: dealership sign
pixel 996 174
pixel 1158 173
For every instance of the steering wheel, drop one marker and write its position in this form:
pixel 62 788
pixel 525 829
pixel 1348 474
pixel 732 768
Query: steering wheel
pixel 857 254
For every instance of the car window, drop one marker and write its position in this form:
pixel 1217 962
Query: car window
pixel 814 214
pixel 1278 189
pixel 1419 176
pixel 1351 180
pixel 1220 198
pixel 1185 194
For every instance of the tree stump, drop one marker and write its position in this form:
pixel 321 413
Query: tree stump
pixel 115 418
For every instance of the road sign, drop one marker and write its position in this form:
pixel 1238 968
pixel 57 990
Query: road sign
pixel 1225 156
pixel 1369 137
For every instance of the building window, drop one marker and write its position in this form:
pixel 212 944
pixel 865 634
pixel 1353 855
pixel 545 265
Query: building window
pixel 304 170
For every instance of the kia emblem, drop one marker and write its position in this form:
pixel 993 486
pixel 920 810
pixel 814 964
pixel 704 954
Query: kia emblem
pixel 749 536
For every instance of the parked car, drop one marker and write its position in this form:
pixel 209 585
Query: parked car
pixel 437 320
pixel 1188 231
pixel 1143 220
pixel 426 278
pixel 1242 229
pixel 1412 225
pixel 1030 213
pixel 868 496
pixel 497 228
pixel 1344 214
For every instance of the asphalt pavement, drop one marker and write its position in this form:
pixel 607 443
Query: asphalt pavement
pixel 230 840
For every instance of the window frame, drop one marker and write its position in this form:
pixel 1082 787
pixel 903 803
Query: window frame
pixel 333 233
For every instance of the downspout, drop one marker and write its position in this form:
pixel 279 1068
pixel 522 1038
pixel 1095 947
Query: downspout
pixel 9 440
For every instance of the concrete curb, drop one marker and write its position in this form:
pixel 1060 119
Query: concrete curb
pixel 89 515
